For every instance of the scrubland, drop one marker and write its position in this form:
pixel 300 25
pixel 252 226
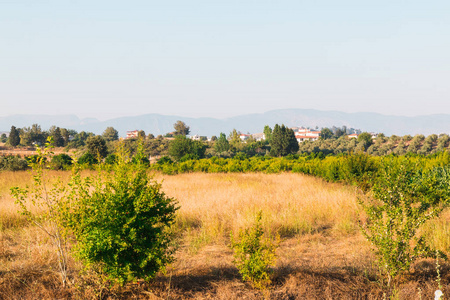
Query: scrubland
pixel 322 254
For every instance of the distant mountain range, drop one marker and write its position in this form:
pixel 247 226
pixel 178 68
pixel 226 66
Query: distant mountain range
pixel 250 123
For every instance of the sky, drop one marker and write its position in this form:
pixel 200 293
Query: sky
pixel 106 59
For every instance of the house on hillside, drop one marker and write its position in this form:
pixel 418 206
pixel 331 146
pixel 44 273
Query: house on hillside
pixel 259 136
pixel 305 134
pixel 353 136
pixel 132 134
pixel 244 137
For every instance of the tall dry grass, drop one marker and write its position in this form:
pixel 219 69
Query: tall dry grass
pixel 322 254
pixel 214 204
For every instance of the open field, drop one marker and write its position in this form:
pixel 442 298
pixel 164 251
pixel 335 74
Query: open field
pixel 322 254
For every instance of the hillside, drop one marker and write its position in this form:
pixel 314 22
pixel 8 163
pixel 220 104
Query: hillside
pixel 161 124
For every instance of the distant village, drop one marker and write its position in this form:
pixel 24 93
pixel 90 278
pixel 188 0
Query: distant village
pixel 301 134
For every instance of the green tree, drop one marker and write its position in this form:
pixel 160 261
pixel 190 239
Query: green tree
pixel 181 128
pixel 3 138
pixel 14 137
pixel 25 137
pixel 55 133
pixel 110 134
pixel 182 147
pixel 79 139
pixel 235 140
pixel 326 134
pixel 96 146
pixel 48 198
pixel 141 134
pixel 365 140
pixel 222 144
pixel 267 133
pixel 283 141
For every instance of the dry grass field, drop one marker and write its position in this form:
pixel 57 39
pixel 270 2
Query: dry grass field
pixel 322 254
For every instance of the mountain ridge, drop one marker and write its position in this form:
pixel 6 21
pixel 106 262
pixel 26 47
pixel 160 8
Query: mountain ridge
pixel 160 124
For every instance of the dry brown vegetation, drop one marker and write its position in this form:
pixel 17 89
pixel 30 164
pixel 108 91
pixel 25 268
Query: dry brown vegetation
pixel 322 254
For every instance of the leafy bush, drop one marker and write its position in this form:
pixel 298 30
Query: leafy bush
pixel 111 159
pixel 404 198
pixel 120 220
pixel 254 254
pixel 13 163
pixel 61 162
pixel 164 160
pixel 87 159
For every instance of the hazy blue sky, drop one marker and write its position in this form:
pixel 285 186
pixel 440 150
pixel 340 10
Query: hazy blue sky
pixel 222 58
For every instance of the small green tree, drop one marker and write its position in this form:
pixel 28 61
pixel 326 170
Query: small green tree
pixel 365 140
pixel 404 198
pixel 120 219
pixel 49 198
pixel 57 136
pixel 267 133
pixel 110 134
pixel 326 134
pixel 283 141
pixel 254 254
pixel 182 146
pixel 181 128
pixel 222 144
pixel 14 137
pixel 96 146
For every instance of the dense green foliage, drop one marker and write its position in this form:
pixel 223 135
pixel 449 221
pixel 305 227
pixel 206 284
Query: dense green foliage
pixel 222 144
pixel 181 128
pixel 13 163
pixel 110 134
pixel 182 147
pixel 96 146
pixel 120 220
pixel 14 138
pixel 61 162
pixel 283 141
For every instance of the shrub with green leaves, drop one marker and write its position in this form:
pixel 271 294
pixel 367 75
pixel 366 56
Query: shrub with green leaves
pixel 403 198
pixel 13 163
pixel 61 162
pixel 120 219
pixel 254 254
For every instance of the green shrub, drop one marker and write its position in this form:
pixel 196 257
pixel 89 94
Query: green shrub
pixel 61 162
pixel 87 159
pixel 254 254
pixel 111 159
pixel 403 198
pixel 120 220
pixel 13 163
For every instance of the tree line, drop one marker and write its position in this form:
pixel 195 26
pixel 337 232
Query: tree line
pixel 176 146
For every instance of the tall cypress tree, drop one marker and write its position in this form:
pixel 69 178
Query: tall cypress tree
pixel 58 138
pixel 14 137
pixel 283 141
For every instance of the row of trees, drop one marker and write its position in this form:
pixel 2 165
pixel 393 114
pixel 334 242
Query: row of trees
pixel 279 141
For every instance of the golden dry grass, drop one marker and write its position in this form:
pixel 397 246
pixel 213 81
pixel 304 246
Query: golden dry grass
pixel 322 254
